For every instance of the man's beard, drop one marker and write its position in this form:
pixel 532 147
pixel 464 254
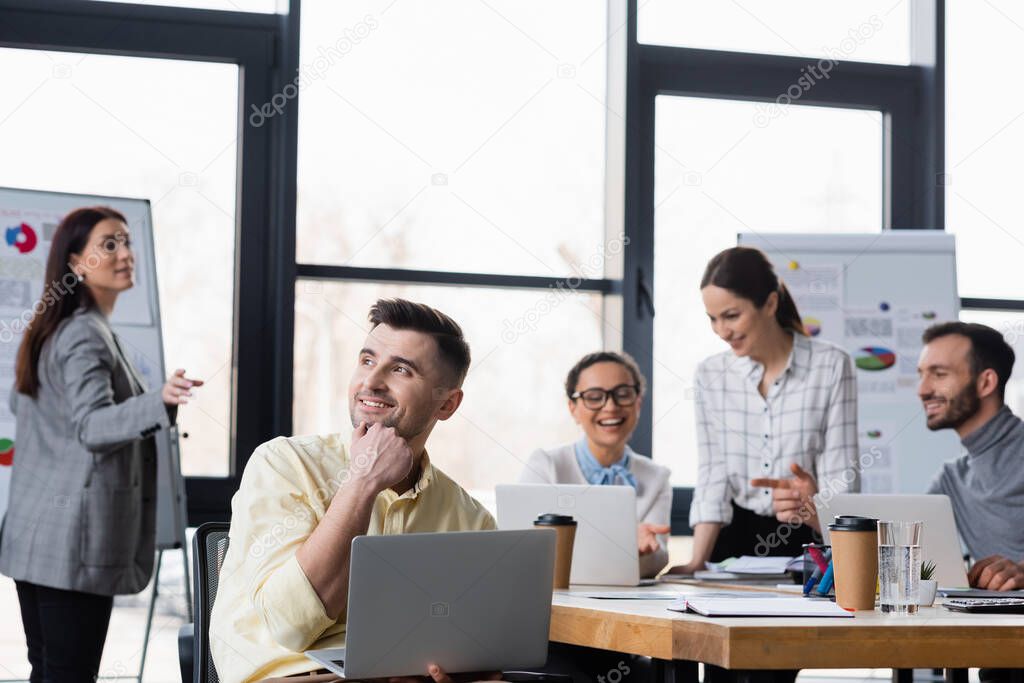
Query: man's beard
pixel 403 427
pixel 959 409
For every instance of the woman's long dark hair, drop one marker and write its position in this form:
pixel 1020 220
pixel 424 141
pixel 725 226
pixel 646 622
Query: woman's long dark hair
pixel 748 273
pixel 62 292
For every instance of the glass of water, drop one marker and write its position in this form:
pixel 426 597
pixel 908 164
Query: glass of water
pixel 899 566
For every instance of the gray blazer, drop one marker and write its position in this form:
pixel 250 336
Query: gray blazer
pixel 82 508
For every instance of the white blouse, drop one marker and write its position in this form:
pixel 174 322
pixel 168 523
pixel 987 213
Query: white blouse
pixel 808 417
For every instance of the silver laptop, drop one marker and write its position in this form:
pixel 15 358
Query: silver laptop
pixel 466 601
pixel 605 550
pixel 940 542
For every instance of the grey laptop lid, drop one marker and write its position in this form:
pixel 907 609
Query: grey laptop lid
pixel 940 542
pixel 467 601
pixel 605 549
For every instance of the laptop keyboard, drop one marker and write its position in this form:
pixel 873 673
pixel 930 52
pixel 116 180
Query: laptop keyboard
pixel 1010 605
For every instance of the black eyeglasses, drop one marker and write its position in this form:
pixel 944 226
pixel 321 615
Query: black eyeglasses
pixel 624 395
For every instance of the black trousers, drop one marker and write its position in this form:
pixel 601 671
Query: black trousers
pixel 65 631
pixel 752 534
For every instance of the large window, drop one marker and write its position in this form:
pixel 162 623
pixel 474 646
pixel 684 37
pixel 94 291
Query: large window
pixel 719 173
pixel 426 145
pixel 983 134
pixel 429 153
pixel 549 174
pixel 985 131
pixel 155 103
pixel 757 117
pixel 155 128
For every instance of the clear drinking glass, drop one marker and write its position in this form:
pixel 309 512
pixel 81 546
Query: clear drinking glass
pixel 899 566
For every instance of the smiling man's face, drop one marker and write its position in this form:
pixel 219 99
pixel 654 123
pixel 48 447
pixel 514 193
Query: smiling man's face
pixel 948 388
pixel 399 382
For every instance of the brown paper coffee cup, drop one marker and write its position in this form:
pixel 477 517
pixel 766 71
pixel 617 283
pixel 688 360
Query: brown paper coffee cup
pixel 855 561
pixel 565 535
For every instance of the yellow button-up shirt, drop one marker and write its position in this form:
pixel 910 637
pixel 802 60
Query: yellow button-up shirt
pixel 266 612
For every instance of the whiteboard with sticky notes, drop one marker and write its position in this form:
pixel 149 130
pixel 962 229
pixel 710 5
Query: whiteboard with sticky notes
pixel 874 295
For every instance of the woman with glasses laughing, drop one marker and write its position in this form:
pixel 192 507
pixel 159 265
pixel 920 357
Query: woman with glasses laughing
pixel 605 391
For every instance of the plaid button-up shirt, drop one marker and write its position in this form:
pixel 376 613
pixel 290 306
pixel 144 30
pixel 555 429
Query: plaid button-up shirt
pixel 808 417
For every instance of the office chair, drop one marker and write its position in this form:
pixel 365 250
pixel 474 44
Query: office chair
pixel 209 546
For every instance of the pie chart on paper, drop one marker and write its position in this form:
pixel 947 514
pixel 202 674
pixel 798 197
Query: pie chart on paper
pixel 6 452
pixel 874 358
pixel 812 326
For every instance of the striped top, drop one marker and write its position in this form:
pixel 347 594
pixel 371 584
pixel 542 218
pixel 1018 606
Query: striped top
pixel 808 417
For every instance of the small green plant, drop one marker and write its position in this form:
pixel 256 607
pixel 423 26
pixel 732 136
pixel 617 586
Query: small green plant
pixel 927 570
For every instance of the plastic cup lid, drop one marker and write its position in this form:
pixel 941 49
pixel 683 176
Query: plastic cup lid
pixel 551 519
pixel 853 523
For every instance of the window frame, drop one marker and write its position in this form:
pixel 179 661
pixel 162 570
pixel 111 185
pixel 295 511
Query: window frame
pixel 266 48
pixel 264 217
pixel 911 99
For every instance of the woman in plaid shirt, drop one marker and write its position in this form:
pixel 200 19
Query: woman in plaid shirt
pixel 776 418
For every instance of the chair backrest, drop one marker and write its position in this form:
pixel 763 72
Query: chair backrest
pixel 209 546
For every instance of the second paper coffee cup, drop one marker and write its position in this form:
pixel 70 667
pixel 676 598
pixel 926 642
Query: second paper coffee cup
pixel 565 530
pixel 855 561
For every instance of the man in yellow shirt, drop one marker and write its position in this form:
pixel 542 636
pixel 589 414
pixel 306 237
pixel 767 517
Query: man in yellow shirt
pixel 284 584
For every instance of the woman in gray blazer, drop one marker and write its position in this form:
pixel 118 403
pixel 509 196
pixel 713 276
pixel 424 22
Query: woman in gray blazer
pixel 605 391
pixel 79 526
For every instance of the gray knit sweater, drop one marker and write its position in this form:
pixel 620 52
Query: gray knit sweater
pixel 986 485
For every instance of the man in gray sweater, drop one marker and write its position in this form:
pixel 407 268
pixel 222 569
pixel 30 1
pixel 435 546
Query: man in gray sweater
pixel 964 368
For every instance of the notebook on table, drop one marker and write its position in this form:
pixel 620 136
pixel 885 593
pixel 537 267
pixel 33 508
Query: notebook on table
pixel 760 606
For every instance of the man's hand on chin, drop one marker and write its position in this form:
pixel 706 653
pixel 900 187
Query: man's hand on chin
pixel 379 456
pixel 793 497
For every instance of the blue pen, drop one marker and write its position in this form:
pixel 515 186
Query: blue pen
pixel 813 580
pixel 826 581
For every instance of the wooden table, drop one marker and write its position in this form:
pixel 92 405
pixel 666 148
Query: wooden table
pixel 933 638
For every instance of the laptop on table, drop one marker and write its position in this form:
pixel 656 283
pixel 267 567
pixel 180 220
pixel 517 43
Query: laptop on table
pixel 466 601
pixel 940 542
pixel 605 548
